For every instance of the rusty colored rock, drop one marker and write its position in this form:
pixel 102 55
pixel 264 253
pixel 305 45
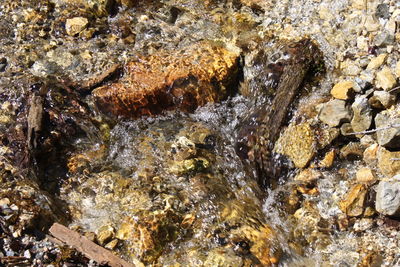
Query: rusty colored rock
pixel 354 203
pixel 182 79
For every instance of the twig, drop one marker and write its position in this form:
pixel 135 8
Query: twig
pixel 377 129
pixel 87 247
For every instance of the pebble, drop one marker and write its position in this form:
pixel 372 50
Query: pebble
pixel 382 11
pixel 362 114
pixel 308 175
pixel 383 39
pixel 382 100
pixel 343 90
pixel 353 203
pixel 105 234
pixel 3 64
pixel 385 79
pixel 397 70
pixel 388 162
pixel 370 154
pixel 388 198
pixel 350 68
pixel 388 137
pixel 352 150
pixel 371 24
pixel 328 159
pixel 334 112
pixel 363 224
pixel 376 62
pixel 76 25
pixel 365 175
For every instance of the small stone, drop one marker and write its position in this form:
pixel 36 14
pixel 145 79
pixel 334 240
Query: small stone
pixel 384 39
pixel 298 143
pixel 3 64
pixel 376 62
pixel 365 175
pixel 363 224
pixel 350 68
pixel 325 136
pixel 362 44
pixel 328 159
pixel 105 234
pixel 389 125
pixel 382 11
pixel 352 151
pixel 308 175
pixel 334 112
pixel 76 25
pixel 397 71
pixel 388 198
pixel 90 235
pixel 353 204
pixel 124 232
pixel 371 24
pixel 112 244
pixel 343 90
pixel 370 154
pixel 385 79
pixel 388 162
pixel 382 100
pixel 362 114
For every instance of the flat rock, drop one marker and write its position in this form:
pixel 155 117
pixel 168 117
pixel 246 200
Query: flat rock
pixel 388 137
pixel 297 143
pixel 388 198
pixel 343 90
pixel 388 162
pixel 334 112
pixel 376 62
pixel 385 79
pixel 362 114
pixel 75 25
pixel 183 79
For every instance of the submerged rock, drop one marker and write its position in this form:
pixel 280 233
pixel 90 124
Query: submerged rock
pixel 182 79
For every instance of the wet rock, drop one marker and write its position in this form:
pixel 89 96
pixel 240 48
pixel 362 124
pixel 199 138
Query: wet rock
pixel 385 79
pixel 343 90
pixel 298 143
pixel 382 100
pixel 389 134
pixel 76 25
pixel 308 175
pixel 353 203
pixel 388 162
pixel 189 166
pixel 382 11
pixel 334 112
pixel 105 234
pixel 182 79
pixel 365 175
pixel 325 136
pixel 376 62
pixel 388 198
pixel 223 257
pixel 112 244
pixel 362 114
pixel 327 161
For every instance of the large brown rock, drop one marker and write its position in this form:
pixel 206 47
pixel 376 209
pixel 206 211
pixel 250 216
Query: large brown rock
pixel 183 79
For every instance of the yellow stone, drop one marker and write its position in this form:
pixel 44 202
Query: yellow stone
pixel 308 175
pixel 385 79
pixel 105 234
pixel 353 203
pixel 365 175
pixel 397 71
pixel 376 62
pixel 370 154
pixel 75 25
pixel 328 159
pixel 342 90
pixel 388 162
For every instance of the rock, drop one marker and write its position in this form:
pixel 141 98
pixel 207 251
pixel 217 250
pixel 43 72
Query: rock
pixel 76 25
pixel 325 136
pixel 388 162
pixel 371 24
pixel 362 114
pixel 3 64
pixel 298 144
pixel 328 159
pixel 382 11
pixel 343 90
pixel 308 175
pixel 384 39
pixel 350 68
pixel 389 124
pixel 112 244
pixel 388 198
pixel 105 234
pixel 376 62
pixel 346 129
pixel 397 70
pixel 354 203
pixel 223 257
pixel 385 79
pixel 182 79
pixel 365 175
pixel 351 151
pixel 370 154
pixel 382 100
pixel 363 224
pixel 334 112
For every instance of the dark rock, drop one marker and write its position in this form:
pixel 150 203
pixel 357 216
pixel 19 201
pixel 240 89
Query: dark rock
pixel 3 64
pixel 382 11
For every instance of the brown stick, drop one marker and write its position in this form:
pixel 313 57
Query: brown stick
pixel 87 247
